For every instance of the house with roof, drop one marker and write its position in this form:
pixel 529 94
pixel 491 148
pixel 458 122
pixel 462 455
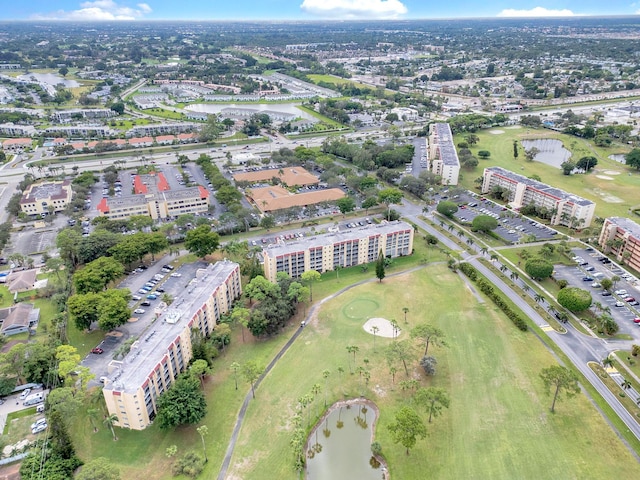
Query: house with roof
pixel 141 142
pixel 16 144
pixel 22 281
pixel 18 318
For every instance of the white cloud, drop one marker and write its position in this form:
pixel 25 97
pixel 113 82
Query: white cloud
pixel 536 12
pixel 98 10
pixel 354 9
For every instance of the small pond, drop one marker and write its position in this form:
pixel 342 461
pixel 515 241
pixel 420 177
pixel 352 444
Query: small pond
pixel 340 446
pixel 618 157
pixel 50 78
pixel 551 152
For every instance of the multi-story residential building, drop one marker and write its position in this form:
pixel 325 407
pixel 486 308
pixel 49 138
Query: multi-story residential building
pixel 566 208
pixel 344 249
pixel 443 158
pixel 42 198
pixel 81 131
pixel 11 130
pixel 65 116
pixel 621 237
pixel 161 129
pixel 132 388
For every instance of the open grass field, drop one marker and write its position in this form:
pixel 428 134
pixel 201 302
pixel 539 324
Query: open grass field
pixel 316 78
pixel 498 424
pixel 611 185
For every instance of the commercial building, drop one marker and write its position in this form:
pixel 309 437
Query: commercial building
pixel 621 237
pixel 134 384
pixel 567 209
pixel 41 198
pixel 291 176
pixel 443 158
pixel 272 199
pixel 157 204
pixel 345 249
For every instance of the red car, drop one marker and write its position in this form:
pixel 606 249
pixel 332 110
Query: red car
pixel 636 320
pixel 97 350
pixel 629 299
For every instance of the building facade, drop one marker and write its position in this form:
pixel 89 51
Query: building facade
pixel 134 384
pixel 340 249
pixel 45 198
pixel 443 158
pixel 621 237
pixel 567 209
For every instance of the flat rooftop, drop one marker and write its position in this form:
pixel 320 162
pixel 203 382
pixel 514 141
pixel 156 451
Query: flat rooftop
pixel 327 239
pixel 543 187
pixel 628 225
pixel 448 153
pixel 53 191
pixel 152 346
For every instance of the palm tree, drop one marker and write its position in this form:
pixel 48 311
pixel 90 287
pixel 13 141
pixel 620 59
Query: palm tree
pixel 203 431
pixel 484 250
pixel 450 228
pixel 405 311
pixel 514 276
pixel 494 257
pixel 109 420
pixel 607 362
pixel 374 330
pixel 315 390
pixel 325 375
pixel 526 287
pixel 352 349
pixel 538 298
pixel 503 268
pixel 626 384
pixel 91 413
pixel 615 279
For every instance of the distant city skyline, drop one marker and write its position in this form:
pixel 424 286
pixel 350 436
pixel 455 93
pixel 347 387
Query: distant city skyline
pixel 211 10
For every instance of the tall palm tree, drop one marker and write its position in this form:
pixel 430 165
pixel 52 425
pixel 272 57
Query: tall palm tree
pixel 374 330
pixel 503 268
pixel 626 384
pixel 514 276
pixel 538 298
pixel 484 250
pixel 607 362
pixel 109 420
pixel 405 310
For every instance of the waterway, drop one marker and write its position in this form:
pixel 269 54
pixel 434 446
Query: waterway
pixel 340 446
pixel 50 78
pixel 287 108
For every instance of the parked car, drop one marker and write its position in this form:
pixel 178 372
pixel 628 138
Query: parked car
pixel 619 304
pixel 139 311
pixel 146 303
pixel 636 320
pixel 25 393
pixel 587 279
pixel 606 293
pixel 590 269
pixel 151 296
pixel 621 292
pixel 97 351
pixel 40 428
pixel 40 421
pixel 136 297
pixel 168 267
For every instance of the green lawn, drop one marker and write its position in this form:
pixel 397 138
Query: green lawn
pixel 613 195
pixel 498 424
pixel 316 78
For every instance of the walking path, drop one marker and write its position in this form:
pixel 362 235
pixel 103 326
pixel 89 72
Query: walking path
pixel 310 316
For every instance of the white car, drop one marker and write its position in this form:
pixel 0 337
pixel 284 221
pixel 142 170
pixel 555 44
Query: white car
pixel 25 394
pixel 42 421
pixel 176 274
pixel 620 292
pixel 596 285
pixel 40 428
pixel 139 311
pixel 619 304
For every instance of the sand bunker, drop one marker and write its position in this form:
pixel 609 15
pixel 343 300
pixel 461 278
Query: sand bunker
pixel 496 132
pixel 604 177
pixel 385 329
pixel 612 172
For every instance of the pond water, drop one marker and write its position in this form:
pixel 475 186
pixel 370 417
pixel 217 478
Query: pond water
pixel 50 78
pixel 618 157
pixel 288 108
pixel 345 446
pixel 552 152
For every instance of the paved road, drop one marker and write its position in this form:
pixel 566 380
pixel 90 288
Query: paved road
pixel 580 349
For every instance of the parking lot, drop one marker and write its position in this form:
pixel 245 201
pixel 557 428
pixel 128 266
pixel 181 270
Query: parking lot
pixel 172 282
pixel 589 272
pixel 511 225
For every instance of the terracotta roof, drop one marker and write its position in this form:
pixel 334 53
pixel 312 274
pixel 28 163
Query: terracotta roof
pixel 163 138
pixel 268 199
pixel 288 175
pixel 103 206
pixel 17 141
pixel 140 140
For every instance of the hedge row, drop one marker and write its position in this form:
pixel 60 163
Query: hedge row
pixel 487 288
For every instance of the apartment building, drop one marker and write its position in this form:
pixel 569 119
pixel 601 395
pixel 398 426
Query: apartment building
pixel 569 209
pixel 12 130
pixel 65 116
pixel 38 198
pixel 132 388
pixel 621 237
pixel 443 158
pixel 345 249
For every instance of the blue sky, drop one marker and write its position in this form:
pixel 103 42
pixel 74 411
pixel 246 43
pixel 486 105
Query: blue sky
pixel 304 9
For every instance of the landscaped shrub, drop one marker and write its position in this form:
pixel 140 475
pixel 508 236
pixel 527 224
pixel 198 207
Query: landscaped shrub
pixel 487 288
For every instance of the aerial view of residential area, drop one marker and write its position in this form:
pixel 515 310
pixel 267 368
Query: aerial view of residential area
pixel 324 240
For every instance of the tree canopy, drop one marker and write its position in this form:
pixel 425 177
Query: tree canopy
pixel 182 404
pixel 446 208
pixel 574 299
pixel 538 268
pixel 484 223
pixel 560 379
pixel 407 428
pixel 201 241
